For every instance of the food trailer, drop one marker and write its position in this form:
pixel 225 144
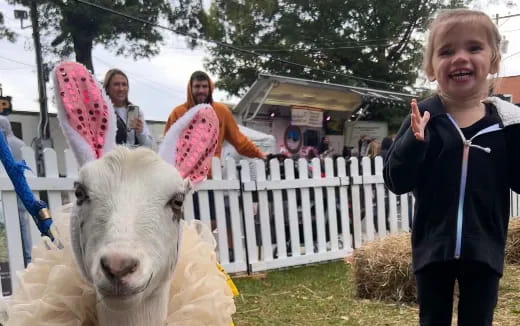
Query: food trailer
pixel 299 112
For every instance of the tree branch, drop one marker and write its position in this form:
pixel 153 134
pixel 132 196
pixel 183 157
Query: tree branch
pixel 397 50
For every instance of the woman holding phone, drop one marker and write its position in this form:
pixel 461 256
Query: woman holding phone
pixel 131 126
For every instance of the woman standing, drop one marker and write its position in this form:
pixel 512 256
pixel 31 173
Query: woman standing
pixel 131 126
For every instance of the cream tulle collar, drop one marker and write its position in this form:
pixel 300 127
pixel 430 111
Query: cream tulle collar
pixel 52 292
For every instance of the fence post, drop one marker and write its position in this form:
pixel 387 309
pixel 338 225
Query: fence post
pixel 319 212
pixel 220 212
pixel 249 217
pixel 380 197
pixel 306 208
pixel 294 230
pixel 368 194
pixel 356 201
pixel 344 203
pixel 331 206
pixel 279 219
pixel 263 208
pixel 235 213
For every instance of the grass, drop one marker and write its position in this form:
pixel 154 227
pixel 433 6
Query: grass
pixel 324 295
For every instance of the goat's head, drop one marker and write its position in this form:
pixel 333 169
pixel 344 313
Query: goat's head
pixel 125 227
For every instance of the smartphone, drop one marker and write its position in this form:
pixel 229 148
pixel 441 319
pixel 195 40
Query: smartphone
pixel 132 114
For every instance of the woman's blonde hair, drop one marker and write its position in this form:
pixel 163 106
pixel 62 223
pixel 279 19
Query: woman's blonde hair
pixel 451 18
pixel 373 149
pixel 108 78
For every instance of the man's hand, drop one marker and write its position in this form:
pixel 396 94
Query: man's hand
pixel 418 122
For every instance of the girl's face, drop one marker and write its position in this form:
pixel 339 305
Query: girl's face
pixel 461 61
pixel 118 90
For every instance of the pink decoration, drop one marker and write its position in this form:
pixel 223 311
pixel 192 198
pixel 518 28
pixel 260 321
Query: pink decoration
pixel 196 145
pixel 84 105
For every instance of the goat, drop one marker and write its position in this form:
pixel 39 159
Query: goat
pixel 126 233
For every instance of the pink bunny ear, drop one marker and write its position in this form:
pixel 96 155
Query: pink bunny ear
pixel 191 142
pixel 85 112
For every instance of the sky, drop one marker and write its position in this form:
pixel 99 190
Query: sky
pixel 159 83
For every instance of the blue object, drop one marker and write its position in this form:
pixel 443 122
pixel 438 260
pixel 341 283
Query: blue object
pixel 37 208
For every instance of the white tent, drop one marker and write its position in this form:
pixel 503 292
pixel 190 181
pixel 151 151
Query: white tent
pixel 266 142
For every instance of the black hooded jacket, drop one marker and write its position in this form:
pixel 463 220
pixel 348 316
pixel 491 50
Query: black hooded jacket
pixel 461 179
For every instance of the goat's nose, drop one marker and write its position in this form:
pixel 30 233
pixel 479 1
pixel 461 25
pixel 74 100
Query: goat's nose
pixel 117 266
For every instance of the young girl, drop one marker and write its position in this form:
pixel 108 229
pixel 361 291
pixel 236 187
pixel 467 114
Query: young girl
pixel 458 153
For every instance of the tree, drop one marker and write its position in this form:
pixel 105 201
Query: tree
pixel 5 33
pixel 74 27
pixel 372 39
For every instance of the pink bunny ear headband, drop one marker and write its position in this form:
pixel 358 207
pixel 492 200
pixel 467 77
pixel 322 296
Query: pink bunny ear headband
pixel 89 124
pixel 194 136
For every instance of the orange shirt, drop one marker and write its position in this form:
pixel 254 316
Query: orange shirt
pixel 228 130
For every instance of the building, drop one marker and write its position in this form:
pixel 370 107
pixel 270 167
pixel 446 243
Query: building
pixel 508 88
pixel 25 126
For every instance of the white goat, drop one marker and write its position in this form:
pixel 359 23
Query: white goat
pixel 125 233
pixel 126 227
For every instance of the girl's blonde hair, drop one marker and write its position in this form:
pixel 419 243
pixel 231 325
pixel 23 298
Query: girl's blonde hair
pixel 453 17
pixel 108 78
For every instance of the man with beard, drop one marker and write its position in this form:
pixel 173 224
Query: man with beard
pixel 200 90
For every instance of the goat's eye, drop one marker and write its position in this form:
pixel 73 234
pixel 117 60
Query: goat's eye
pixel 80 191
pixel 176 202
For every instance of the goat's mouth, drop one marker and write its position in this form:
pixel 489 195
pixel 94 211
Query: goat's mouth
pixel 118 290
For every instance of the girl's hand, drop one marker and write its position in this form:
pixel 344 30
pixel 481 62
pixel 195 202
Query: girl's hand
pixel 418 122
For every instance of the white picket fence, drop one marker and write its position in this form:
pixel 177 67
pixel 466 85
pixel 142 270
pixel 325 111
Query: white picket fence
pixel 296 214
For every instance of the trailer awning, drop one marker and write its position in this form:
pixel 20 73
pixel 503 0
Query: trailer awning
pixel 271 90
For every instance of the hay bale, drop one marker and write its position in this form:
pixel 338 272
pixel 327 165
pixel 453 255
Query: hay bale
pixel 383 270
pixel 513 242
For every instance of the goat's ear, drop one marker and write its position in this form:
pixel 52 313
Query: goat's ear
pixel 190 143
pixel 85 112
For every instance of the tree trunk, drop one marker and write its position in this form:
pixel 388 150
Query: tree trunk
pixel 83 50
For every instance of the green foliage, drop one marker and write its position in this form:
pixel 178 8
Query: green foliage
pixel 69 26
pixel 374 39
pixel 5 33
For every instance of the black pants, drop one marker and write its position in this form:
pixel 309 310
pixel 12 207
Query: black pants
pixel 478 289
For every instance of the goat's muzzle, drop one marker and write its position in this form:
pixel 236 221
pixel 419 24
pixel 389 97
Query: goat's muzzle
pixel 117 267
